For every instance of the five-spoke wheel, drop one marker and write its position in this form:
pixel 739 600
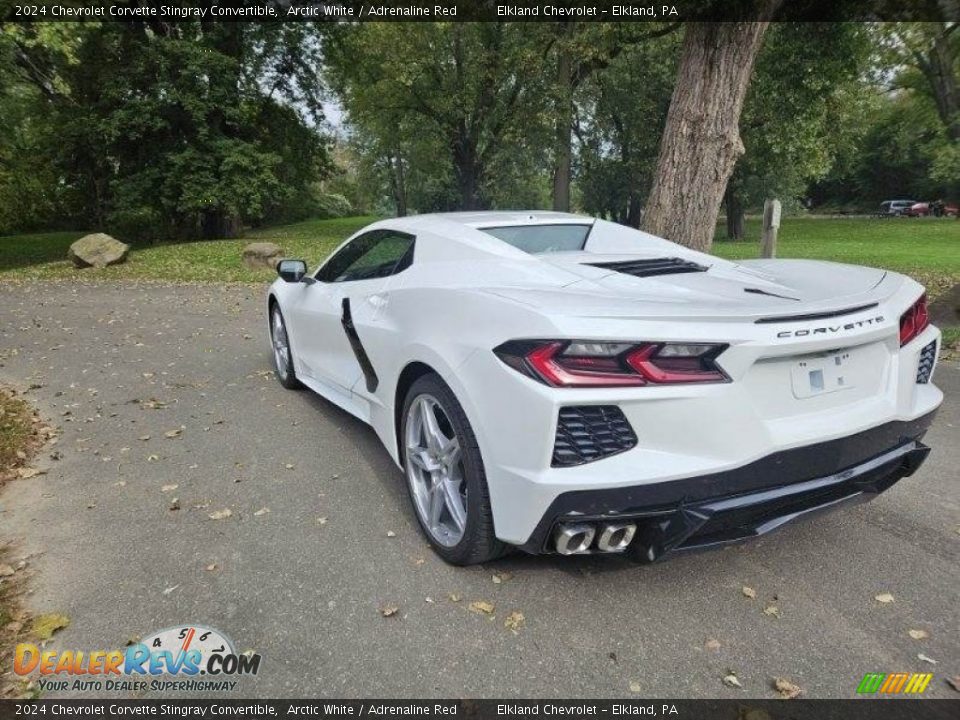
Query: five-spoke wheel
pixel 448 486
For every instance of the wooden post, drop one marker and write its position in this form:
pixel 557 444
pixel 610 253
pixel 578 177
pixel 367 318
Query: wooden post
pixel 771 223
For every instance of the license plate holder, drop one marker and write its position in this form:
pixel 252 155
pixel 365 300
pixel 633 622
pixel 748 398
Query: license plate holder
pixel 816 375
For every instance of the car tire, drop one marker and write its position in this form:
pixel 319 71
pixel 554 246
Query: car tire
pixel 477 542
pixel 282 354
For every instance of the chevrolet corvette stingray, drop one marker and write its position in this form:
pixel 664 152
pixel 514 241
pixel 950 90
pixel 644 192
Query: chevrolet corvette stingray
pixel 563 384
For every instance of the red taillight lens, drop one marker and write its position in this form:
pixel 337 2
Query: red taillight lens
pixel 914 321
pixel 566 363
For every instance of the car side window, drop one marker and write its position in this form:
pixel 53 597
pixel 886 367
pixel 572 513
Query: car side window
pixel 376 254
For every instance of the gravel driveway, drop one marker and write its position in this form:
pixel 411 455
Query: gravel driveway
pixel 321 536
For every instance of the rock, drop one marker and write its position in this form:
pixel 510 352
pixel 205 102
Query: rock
pixel 97 250
pixel 262 255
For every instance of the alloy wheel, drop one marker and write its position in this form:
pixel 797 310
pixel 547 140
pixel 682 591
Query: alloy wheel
pixel 435 472
pixel 281 345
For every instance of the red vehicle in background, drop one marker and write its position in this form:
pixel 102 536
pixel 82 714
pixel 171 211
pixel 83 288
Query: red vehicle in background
pixel 937 209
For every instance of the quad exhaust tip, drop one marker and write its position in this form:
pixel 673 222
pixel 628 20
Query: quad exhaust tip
pixel 577 538
pixel 614 537
pixel 573 538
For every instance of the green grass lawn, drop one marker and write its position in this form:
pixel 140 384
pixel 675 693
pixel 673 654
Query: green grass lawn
pixel 925 248
pixel 44 255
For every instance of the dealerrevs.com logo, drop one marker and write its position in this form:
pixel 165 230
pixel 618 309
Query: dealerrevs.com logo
pixel 171 659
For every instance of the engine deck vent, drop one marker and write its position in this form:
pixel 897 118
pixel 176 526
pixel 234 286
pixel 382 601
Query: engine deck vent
pixel 589 432
pixel 653 266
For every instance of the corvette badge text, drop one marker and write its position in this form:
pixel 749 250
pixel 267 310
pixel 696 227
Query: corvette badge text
pixel 171 659
pixel 830 329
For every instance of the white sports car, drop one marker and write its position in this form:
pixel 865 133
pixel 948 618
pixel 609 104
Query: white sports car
pixel 568 385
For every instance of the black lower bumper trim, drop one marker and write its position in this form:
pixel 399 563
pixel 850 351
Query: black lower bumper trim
pixel 749 501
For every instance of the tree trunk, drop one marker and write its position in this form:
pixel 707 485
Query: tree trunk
pixel 467 171
pixel 701 140
pixel 734 215
pixel 942 76
pixel 399 183
pixel 563 132
pixel 217 224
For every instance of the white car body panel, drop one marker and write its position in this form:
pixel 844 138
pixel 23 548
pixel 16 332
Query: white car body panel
pixel 467 292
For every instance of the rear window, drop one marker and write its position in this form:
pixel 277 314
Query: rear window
pixel 542 238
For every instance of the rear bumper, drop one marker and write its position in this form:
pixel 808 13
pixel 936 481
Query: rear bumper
pixel 749 501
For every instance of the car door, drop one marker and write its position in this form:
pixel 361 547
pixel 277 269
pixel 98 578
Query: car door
pixel 328 346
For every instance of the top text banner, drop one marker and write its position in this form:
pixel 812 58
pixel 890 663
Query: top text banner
pixel 474 10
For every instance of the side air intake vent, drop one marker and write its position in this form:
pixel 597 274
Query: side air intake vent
pixel 590 432
pixel 654 266
pixel 928 356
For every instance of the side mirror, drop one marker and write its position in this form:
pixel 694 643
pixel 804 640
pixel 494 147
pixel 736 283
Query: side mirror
pixel 292 271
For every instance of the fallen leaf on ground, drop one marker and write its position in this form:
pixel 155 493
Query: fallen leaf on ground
pixel 133 640
pixel 391 534
pixel 919 634
pixel 167 591
pixel 389 610
pixel 168 488
pixel 211 567
pixel 175 504
pixel 321 521
pixel 954 682
pixel 748 592
pixel 44 626
pixel 731 680
pixel 27 473
pixel 514 621
pixel 262 511
pixel 144 437
pixel 924 658
pixel 482 607
pixel 221 514
pixel 787 689
pixel 288 466
pixel 712 645
pixel 501 577
pixel 884 598
pixel 453 597
pixel 635 687
pixel 772 611
pixel 173 433
pixel 152 458
pixel 6 570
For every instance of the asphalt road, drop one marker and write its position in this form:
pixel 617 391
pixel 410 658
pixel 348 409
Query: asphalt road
pixel 116 364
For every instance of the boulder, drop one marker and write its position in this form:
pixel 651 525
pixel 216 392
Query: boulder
pixel 262 255
pixel 97 250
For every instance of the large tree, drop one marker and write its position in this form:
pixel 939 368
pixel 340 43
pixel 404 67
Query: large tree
pixel 620 113
pixel 580 51
pixel 701 141
pixel 795 124
pixel 194 128
pixel 474 90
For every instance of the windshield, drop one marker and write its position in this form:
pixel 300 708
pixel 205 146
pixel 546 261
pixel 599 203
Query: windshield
pixel 542 238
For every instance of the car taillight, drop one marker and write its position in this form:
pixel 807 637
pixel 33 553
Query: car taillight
pixel 581 363
pixel 914 321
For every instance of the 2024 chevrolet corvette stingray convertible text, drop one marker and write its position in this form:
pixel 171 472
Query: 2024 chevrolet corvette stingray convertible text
pixel 569 385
